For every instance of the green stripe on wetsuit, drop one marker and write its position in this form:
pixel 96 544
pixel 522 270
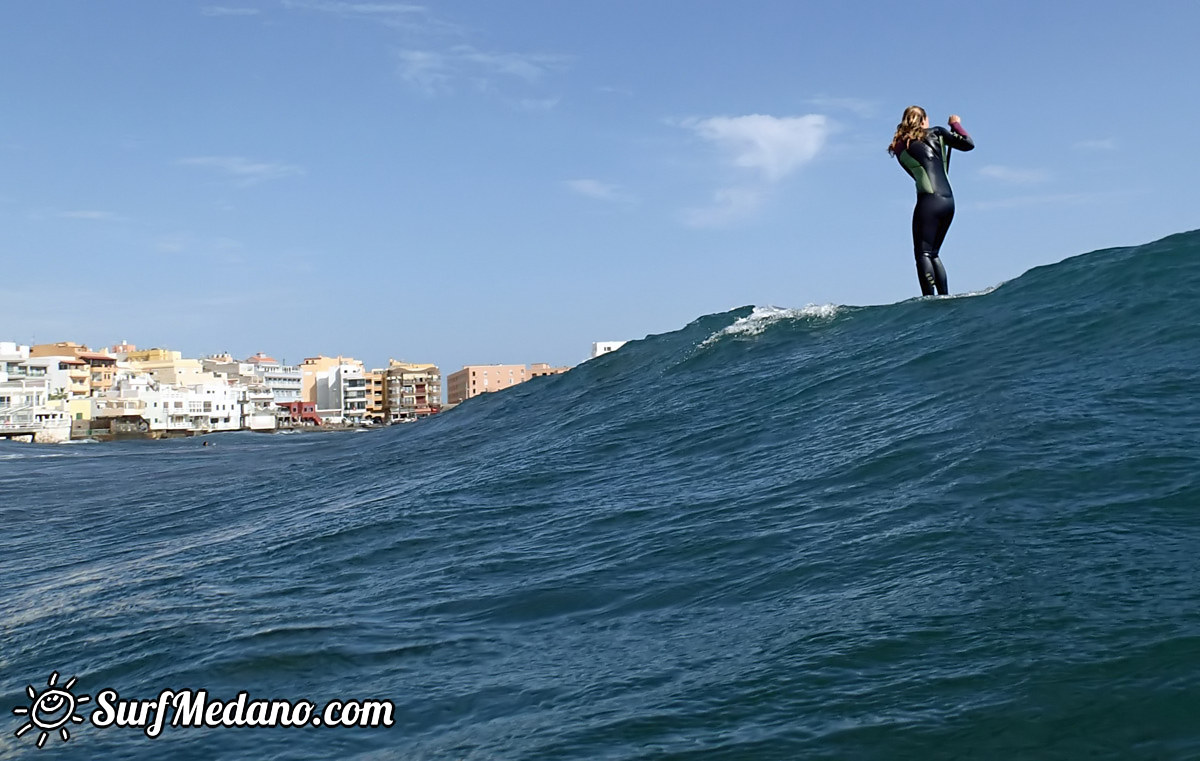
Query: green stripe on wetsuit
pixel 914 168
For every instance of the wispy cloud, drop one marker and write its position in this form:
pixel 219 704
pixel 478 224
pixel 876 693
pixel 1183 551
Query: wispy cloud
pixel 374 10
pixel 729 205
pixel 857 106
pixel 244 171
pixel 221 10
pixel 429 63
pixel 537 104
pixel 773 146
pixel 406 16
pixel 220 249
pixel 442 71
pixel 94 216
pixel 1014 175
pixel 598 190
pixel 615 90
pixel 1107 144
pixel 1054 199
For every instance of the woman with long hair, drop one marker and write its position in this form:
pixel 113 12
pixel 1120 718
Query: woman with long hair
pixel 924 152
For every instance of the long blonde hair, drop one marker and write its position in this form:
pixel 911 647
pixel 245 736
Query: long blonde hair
pixel 910 128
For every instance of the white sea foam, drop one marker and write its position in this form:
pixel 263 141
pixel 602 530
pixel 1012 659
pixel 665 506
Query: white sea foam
pixel 761 318
pixel 964 295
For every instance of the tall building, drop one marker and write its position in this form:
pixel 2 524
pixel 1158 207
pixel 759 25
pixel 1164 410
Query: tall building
pixel 474 380
pixel 342 393
pixel 412 391
pixel 311 367
pixel 376 395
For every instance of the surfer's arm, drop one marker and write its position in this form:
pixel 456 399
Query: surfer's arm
pixel 956 137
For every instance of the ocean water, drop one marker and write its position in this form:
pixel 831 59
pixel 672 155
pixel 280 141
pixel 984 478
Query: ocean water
pixel 961 527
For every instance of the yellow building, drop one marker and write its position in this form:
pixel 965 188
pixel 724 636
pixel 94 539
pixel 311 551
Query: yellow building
pixel 376 395
pixel 168 367
pixel 153 355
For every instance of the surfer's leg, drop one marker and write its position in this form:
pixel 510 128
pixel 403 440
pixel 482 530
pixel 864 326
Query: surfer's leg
pixel 945 217
pixel 939 275
pixel 931 222
pixel 928 233
pixel 927 273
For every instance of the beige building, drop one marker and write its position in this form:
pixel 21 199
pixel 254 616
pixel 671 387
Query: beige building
pixel 474 380
pixel 169 367
pixel 320 364
pixel 412 391
pixel 101 368
pixel 538 369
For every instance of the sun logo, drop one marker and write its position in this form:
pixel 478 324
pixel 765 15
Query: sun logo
pixel 52 710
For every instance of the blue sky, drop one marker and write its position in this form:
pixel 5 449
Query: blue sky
pixel 478 182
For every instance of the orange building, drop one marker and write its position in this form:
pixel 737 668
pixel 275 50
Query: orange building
pixel 474 380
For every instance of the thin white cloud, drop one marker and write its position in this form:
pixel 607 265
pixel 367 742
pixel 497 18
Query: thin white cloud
pixel 244 171
pixel 425 70
pixel 174 243
pixel 1014 175
pixel 95 216
pixel 773 146
pixel 857 106
pixel 220 249
pixel 1055 199
pixel 598 190
pixel 441 71
pixel 221 10
pixel 1107 144
pixel 537 104
pixel 378 10
pixel 615 90
pixel 729 205
pixel 406 16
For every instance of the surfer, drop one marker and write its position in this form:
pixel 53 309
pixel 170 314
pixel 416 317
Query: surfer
pixel 924 152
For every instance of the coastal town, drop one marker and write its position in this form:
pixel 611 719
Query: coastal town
pixel 53 393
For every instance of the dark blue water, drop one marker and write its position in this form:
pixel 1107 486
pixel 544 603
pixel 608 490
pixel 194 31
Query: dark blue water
pixel 945 528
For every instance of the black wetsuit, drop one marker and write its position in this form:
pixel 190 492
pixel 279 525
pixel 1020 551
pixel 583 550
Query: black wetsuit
pixel 926 162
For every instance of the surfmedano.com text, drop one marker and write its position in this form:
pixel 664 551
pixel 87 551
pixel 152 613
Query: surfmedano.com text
pixel 194 708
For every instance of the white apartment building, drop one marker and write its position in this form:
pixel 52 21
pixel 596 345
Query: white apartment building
pixel 342 393
pixel 12 356
pixel 139 404
pixel 604 347
pixel 284 381
pixel 29 405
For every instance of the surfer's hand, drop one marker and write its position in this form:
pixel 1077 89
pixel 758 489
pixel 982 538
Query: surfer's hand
pixel 954 118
